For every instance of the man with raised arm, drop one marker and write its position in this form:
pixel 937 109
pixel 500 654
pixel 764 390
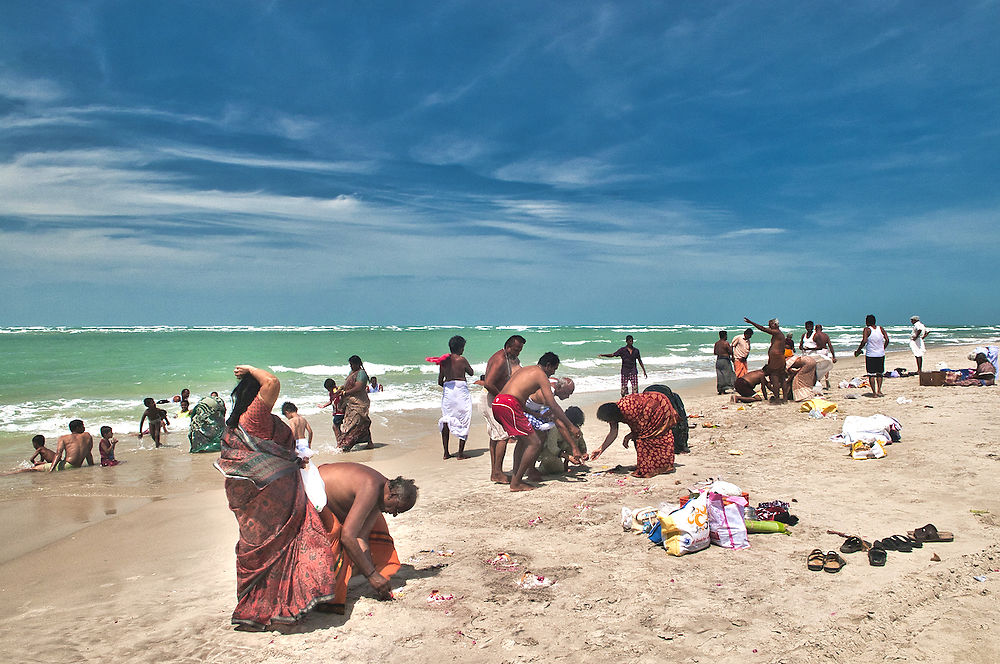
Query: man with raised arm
pixel 775 356
pixel 508 409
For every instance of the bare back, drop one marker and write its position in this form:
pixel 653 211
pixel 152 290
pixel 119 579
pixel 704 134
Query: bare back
pixel 352 487
pixel 456 367
pixel 78 447
pixel 525 381
pixel 300 427
pixel 499 369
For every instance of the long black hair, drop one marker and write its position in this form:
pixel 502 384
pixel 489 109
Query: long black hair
pixel 243 395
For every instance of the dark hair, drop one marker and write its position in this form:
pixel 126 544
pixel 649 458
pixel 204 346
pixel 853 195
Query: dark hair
pixel 809 323
pixel 185 391
pixel 515 337
pixel 723 334
pixel 76 426
pixel 980 357
pixel 148 402
pixel 456 344
pixel 38 441
pixel 750 330
pixel 789 341
pixel 609 412
pixel 547 359
pixel 243 395
pixel 870 319
pixel 355 359
pixel 405 489
pixel 105 430
pixel 329 383
pixel 214 394
pixel 629 337
pixel 575 415
pixel 289 407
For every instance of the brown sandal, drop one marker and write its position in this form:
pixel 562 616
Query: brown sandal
pixel 833 562
pixel 815 560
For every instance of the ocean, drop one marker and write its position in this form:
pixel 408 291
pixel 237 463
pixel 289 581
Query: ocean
pixel 50 375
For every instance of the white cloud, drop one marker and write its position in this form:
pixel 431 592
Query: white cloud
pixel 35 90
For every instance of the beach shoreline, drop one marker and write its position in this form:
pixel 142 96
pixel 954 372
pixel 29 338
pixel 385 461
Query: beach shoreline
pixel 150 559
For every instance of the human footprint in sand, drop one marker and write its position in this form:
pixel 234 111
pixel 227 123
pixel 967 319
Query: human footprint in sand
pixel 651 418
pixel 508 409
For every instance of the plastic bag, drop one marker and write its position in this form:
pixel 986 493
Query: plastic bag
pixel 726 524
pixel 862 450
pixel 638 520
pixel 685 530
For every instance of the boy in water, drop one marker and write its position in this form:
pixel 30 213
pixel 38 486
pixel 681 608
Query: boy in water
pixel 42 455
pixel 336 398
pixel 156 417
pixel 107 447
pixel 298 424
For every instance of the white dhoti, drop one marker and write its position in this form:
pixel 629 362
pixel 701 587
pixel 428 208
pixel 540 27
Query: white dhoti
pixel 917 346
pixel 456 408
pixel 493 428
pixel 824 363
pixel 312 481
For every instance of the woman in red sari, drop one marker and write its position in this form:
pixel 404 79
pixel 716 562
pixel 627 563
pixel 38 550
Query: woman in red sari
pixel 284 562
pixel 651 419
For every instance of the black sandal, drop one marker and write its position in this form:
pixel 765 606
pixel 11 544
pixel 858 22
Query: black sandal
pixel 854 544
pixel 903 543
pixel 877 556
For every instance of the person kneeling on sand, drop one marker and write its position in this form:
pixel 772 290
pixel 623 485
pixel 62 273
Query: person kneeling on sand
pixel 746 384
pixel 651 418
pixel 508 409
pixel 553 459
pixel 357 497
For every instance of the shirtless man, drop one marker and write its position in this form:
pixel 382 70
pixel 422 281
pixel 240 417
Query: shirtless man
pixel 775 356
pixel 746 384
pixel 724 372
pixel 824 351
pixel 155 416
pixel 499 368
pixel 74 448
pixel 456 402
pixel 298 424
pixel 358 495
pixel 508 409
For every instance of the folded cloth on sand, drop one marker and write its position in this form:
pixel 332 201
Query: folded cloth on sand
pixel 456 408
pixel 284 565
pixel 493 428
pixel 869 429
pixel 381 547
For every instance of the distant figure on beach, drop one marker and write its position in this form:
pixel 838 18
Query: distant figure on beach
pixel 284 561
pixel 107 447
pixel 629 355
pixel 42 455
pixel 74 448
pixel 357 498
pixel 357 425
pixel 746 387
pixel 156 417
pixel 741 351
pixel 508 409
pixel 336 400
pixel 456 400
pixel 917 336
pixel 725 376
pixel 775 356
pixel 499 369
pixel 185 395
pixel 874 341
pixel 374 386
pixel 651 418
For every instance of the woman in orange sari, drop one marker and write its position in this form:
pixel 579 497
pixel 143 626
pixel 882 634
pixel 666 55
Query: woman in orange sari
pixel 651 418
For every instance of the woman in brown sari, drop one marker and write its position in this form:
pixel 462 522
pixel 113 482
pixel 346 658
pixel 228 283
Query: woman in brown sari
pixel 357 425
pixel 284 563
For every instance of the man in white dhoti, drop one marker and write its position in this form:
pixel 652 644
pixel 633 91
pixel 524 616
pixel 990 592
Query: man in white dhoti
pixel 917 336
pixel 456 401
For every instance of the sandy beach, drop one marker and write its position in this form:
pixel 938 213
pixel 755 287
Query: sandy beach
pixel 136 563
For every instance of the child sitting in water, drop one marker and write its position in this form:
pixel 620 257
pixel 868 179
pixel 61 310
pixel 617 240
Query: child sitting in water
pixel 107 447
pixel 42 455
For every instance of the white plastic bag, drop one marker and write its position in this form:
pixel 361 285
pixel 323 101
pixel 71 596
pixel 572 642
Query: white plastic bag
pixel 726 524
pixel 685 530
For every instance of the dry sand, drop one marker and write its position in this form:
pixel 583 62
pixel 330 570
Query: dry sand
pixel 101 567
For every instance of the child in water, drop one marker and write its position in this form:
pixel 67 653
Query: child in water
pixel 42 455
pixel 107 447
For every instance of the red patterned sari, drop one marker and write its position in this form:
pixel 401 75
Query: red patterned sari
pixel 284 562
pixel 651 418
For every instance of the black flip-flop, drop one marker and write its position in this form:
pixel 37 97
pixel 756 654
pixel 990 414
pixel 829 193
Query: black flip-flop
pixel 931 534
pixel 853 544
pixel 876 556
pixel 903 544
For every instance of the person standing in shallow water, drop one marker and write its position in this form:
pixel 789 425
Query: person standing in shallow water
pixel 629 355
pixel 456 401
pixel 357 425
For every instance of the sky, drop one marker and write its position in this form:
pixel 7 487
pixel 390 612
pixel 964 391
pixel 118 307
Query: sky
pixel 632 162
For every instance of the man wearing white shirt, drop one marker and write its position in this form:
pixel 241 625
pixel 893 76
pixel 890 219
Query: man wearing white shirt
pixel 917 340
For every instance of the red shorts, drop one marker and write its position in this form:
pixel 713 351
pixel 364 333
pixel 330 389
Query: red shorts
pixel 510 414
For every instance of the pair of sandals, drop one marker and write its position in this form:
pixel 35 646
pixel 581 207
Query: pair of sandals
pixel 876 552
pixel 831 561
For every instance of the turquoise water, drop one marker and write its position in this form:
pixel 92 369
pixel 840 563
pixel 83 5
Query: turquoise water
pixel 51 375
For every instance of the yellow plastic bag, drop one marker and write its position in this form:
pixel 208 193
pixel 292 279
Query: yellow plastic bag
pixel 685 530
pixel 822 405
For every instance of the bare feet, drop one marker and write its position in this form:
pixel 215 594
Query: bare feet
pixel 448 456
pixel 533 476
pixel 521 486
pixel 370 445
pixel 462 455
pixel 502 478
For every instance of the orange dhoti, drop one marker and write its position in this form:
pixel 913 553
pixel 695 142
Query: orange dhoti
pixel 740 366
pixel 381 547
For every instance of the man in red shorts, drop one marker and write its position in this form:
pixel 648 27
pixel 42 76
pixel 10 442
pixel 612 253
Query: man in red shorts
pixel 508 409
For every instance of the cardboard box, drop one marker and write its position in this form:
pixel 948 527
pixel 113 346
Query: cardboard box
pixel 932 378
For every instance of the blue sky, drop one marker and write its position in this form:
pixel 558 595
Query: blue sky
pixel 516 162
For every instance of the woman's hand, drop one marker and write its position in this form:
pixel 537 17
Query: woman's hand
pixel 596 453
pixel 627 438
